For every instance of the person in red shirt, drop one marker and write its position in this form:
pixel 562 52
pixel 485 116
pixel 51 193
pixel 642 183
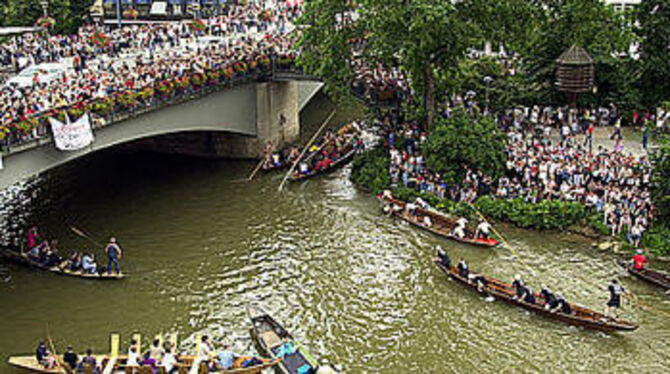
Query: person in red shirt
pixel 639 260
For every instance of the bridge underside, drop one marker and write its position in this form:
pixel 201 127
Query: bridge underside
pixel 234 123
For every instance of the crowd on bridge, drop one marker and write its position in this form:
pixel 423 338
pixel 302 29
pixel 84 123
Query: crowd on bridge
pixel 540 165
pixel 119 69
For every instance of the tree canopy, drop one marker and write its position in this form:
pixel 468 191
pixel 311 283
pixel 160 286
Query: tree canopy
pixel 653 18
pixel 464 141
pixel 68 14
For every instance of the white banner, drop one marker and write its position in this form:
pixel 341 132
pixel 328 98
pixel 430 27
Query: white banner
pixel 72 136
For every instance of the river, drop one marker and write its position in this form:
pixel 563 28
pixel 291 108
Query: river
pixel 358 288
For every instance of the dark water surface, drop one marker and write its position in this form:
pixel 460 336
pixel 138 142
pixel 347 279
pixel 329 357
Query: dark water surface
pixel 357 288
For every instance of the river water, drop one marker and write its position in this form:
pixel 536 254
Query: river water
pixel 358 288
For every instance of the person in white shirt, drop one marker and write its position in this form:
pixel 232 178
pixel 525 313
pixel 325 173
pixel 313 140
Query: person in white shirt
pixel 169 361
pixel 483 230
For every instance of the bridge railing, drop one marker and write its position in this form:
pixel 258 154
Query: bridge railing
pixel 130 103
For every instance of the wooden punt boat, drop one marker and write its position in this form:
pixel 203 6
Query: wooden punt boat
pixel 338 163
pixel 269 336
pixel 655 277
pixel 115 363
pixel 63 269
pixel 580 316
pixel 441 224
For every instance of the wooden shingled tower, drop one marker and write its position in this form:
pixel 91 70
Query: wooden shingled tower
pixel 575 72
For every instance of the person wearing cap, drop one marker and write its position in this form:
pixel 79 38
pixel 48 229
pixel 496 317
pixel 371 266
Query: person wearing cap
pixel 615 290
pixel 443 257
pixel 114 253
pixel 550 301
pixel 639 260
pixel 463 269
pixel 520 287
pixel 70 357
pixel 562 305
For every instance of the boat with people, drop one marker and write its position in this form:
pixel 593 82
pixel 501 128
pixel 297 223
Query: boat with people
pixel 655 277
pixel 61 267
pixel 273 340
pixel 577 316
pixel 433 221
pixel 331 153
pixel 160 356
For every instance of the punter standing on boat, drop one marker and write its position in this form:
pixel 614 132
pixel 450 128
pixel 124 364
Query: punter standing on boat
pixel 114 253
pixel 615 290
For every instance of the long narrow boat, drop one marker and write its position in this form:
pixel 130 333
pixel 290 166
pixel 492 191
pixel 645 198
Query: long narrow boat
pixel 580 316
pixel 270 336
pixel 113 363
pixel 338 163
pixel 440 224
pixel 655 277
pixel 62 269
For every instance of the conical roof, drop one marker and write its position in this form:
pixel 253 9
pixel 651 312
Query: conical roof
pixel 575 56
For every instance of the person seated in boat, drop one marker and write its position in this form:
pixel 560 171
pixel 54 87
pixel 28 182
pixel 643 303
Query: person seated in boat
pixel 287 348
pixel 529 297
pixel 615 290
pixel 550 301
pixel 88 264
pixel 479 280
pixel 421 203
pixel 303 167
pixel 70 357
pixel 41 352
pixel 519 287
pixel 410 209
pixel 639 260
pixel 75 261
pixel 427 222
pixel 443 257
pixel 148 361
pixel 53 258
pixel 155 350
pixel 562 305
pixel 89 361
pixel 293 153
pixel 458 232
pixel 169 362
pixel 35 253
pixel 133 355
pixel 483 230
pixel 225 359
pixel 462 268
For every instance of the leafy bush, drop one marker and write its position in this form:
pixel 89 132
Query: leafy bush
pixel 463 141
pixel 657 239
pixel 544 215
pixel 370 170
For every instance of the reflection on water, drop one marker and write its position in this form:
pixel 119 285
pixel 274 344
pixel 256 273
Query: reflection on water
pixel 358 288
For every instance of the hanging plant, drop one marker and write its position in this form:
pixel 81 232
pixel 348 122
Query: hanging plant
pixel 198 24
pixel 45 22
pixel 131 13
pixel 100 39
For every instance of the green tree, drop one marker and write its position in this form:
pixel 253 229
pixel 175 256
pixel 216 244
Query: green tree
pixel 426 38
pixel 605 34
pixel 660 190
pixel 463 141
pixel 653 17
pixel 68 14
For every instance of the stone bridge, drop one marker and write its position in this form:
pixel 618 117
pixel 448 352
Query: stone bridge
pixel 232 123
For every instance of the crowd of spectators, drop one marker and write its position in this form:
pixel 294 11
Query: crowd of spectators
pixel 102 64
pixel 540 166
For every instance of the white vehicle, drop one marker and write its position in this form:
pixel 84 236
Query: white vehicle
pixel 45 72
